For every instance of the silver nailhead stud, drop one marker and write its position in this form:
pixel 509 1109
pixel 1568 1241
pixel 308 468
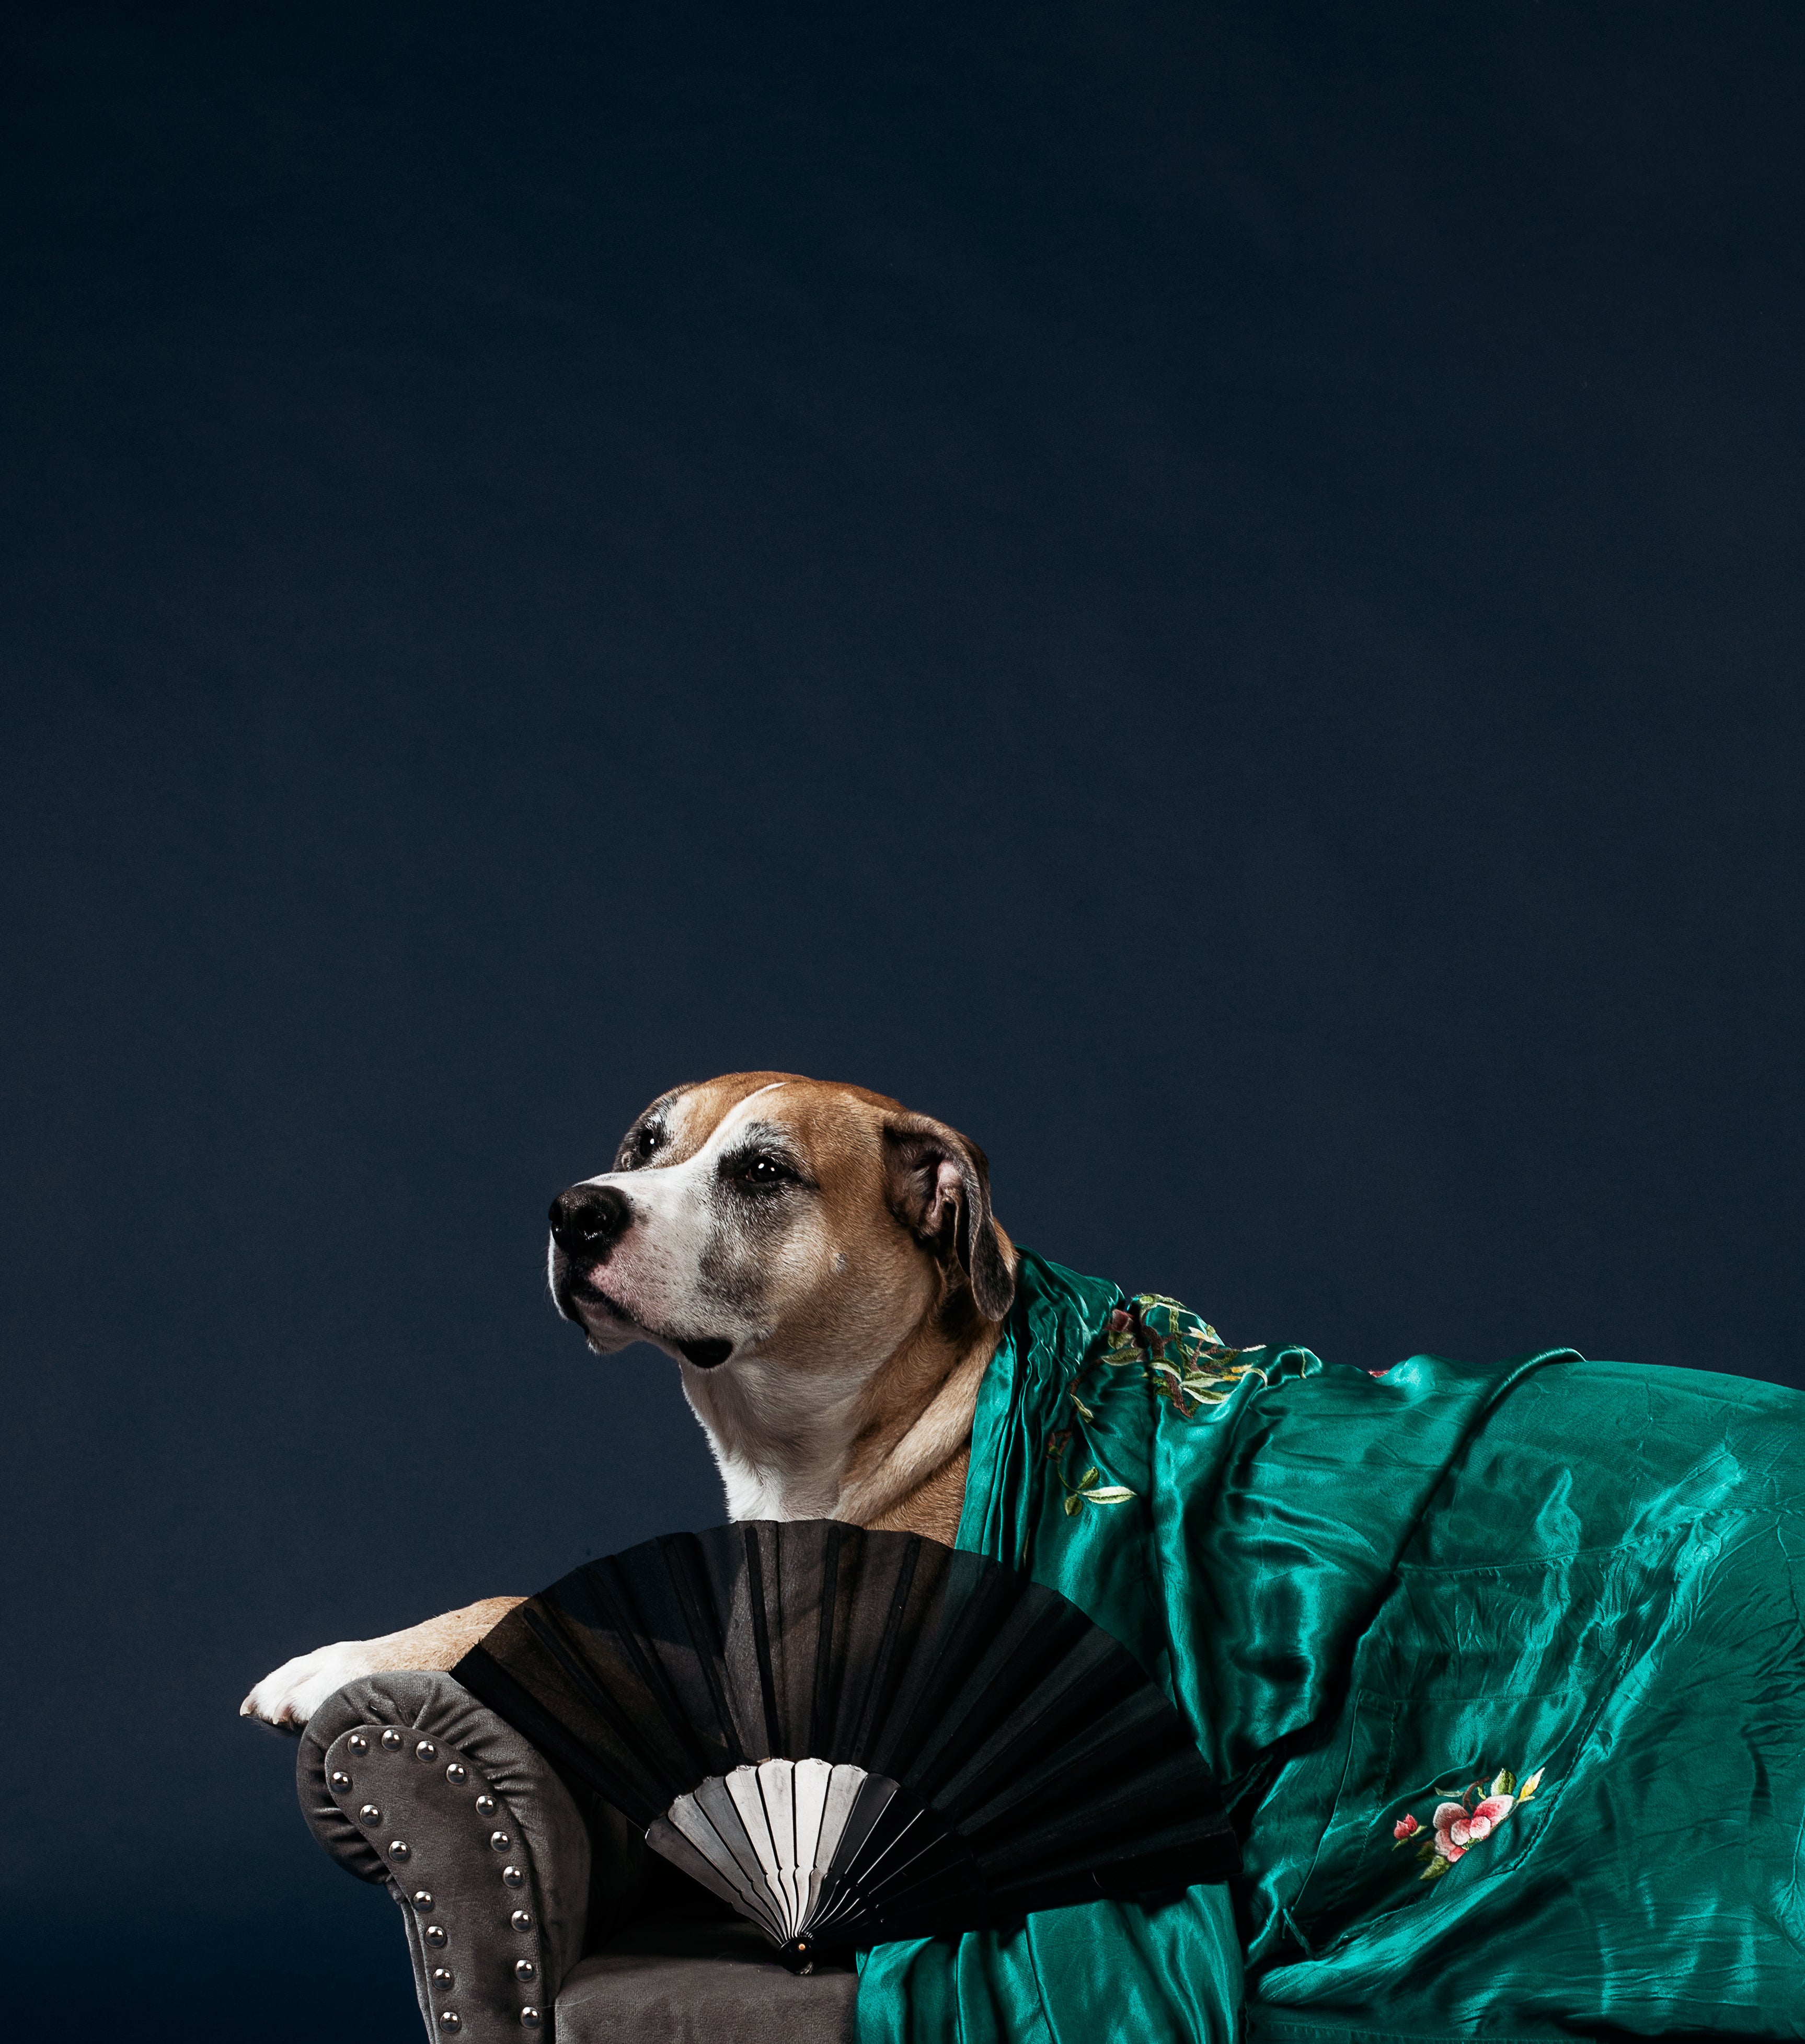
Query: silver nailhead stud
pixel 525 1969
pixel 529 2018
pixel 499 1840
pixel 434 1934
pixel 514 1876
pixel 442 1977
pixel 370 1815
pixel 450 2020
pixel 392 1740
pixel 426 1750
pixel 423 1900
pixel 457 1774
pixel 400 1851
pixel 521 1919
pixel 358 1743
pixel 486 1806
pixel 339 1780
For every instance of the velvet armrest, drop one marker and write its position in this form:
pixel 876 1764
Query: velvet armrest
pixel 407 1780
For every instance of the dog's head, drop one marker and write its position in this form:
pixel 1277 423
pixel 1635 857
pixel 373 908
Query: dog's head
pixel 809 1225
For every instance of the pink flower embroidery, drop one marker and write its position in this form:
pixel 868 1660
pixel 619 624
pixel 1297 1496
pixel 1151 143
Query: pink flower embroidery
pixel 1447 1845
pixel 1459 1827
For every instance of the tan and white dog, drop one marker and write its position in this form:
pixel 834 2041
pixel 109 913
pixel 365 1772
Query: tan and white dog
pixel 825 1269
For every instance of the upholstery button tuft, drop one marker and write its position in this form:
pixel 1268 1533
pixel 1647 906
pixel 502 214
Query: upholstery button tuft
pixel 450 2020
pixel 525 1969
pixel 339 1781
pixel 370 1815
pixel 392 1740
pixel 423 1900
pixel 400 1851
pixel 435 1935
pixel 457 1774
pixel 514 1876
pixel 499 1840
pixel 357 1743
pixel 426 1750
pixel 486 1806
pixel 529 2018
pixel 442 1977
pixel 521 1919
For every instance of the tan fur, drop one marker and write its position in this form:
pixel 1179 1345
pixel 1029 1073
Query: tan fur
pixel 855 1403
pixel 443 1642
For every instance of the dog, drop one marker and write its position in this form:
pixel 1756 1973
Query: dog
pixel 824 1268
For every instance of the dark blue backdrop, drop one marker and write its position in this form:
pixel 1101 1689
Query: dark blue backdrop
pixel 1209 591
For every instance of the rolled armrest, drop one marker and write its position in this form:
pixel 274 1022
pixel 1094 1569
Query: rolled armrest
pixel 406 1779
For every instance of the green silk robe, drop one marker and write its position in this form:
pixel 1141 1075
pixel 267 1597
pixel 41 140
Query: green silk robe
pixel 1501 1670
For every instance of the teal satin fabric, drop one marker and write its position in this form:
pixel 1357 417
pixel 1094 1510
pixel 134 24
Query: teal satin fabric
pixel 1501 1670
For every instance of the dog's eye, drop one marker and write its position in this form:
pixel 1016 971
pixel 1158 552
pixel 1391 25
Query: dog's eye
pixel 762 1173
pixel 641 1147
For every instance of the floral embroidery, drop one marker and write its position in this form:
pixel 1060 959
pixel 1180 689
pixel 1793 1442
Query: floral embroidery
pixel 1190 1362
pixel 1456 1827
pixel 1181 1355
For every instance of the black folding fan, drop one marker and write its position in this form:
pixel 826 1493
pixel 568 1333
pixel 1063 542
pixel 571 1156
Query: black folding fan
pixel 853 1736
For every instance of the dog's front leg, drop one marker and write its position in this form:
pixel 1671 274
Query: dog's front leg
pixel 287 1698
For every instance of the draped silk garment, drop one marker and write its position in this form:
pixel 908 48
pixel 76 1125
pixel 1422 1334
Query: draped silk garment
pixel 1501 1670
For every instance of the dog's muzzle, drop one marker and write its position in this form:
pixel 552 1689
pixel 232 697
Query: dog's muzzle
pixel 586 1222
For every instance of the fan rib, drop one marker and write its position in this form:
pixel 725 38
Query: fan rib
pixel 707 1641
pixel 761 1632
pixel 547 1631
pixel 1101 1750
pixel 774 1781
pixel 717 1803
pixel 880 1693
pixel 821 1712
pixel 810 1782
pixel 995 1772
pixel 666 1838
pixel 606 1584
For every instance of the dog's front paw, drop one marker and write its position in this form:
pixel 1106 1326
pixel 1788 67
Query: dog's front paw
pixel 285 1699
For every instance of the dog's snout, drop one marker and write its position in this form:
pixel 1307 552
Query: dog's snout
pixel 588 1221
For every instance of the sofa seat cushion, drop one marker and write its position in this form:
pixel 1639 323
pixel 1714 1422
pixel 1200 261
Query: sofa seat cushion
pixel 700 1983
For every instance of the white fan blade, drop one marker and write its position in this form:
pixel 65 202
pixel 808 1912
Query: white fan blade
pixel 810 1788
pixel 762 1837
pixel 709 1819
pixel 775 1783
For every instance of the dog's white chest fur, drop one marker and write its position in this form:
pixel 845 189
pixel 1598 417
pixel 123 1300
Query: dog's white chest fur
pixel 781 1447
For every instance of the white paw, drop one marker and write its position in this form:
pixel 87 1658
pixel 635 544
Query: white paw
pixel 286 1699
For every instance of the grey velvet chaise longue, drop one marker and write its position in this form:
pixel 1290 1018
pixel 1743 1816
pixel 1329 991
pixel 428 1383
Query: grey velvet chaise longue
pixel 531 1908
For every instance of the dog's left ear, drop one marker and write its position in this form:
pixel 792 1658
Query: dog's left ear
pixel 940 1189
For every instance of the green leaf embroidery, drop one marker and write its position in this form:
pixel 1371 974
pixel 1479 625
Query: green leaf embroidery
pixel 1111 1493
pixel 1504 1783
pixel 1072 1504
pixel 1436 1868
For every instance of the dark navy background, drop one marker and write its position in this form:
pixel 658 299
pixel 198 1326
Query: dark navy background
pixel 1210 592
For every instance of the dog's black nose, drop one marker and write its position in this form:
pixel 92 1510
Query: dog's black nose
pixel 588 1221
